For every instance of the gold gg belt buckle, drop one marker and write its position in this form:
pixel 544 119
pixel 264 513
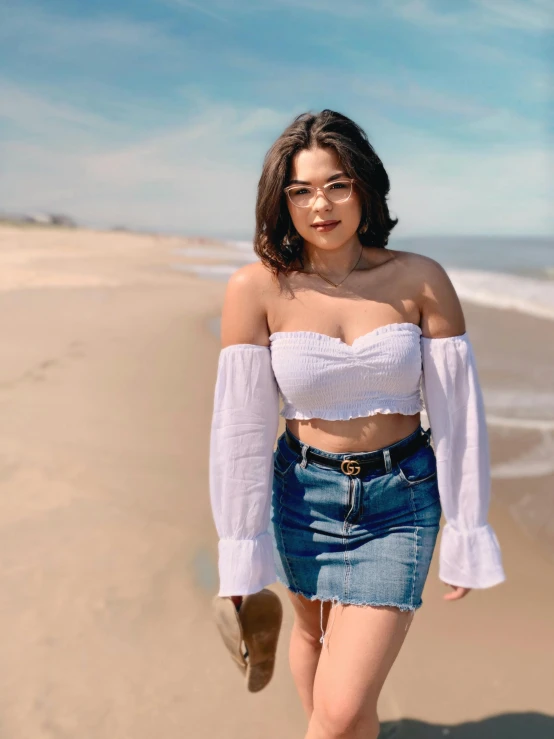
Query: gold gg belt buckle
pixel 350 467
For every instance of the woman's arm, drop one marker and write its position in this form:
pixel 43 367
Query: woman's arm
pixel 244 313
pixel 469 551
pixel 244 426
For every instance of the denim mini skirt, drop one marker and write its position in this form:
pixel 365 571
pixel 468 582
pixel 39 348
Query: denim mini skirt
pixel 364 539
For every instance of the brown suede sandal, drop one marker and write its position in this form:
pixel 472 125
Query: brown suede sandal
pixel 227 620
pixel 261 615
pixel 257 623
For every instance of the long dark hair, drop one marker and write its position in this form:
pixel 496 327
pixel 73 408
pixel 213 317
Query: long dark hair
pixel 276 241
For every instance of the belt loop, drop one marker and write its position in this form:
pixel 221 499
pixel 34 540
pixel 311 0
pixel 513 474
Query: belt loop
pixel 304 461
pixel 388 465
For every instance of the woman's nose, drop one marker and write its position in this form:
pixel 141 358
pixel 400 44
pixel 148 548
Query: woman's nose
pixel 321 201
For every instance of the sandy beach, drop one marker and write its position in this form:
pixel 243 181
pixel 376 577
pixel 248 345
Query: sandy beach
pixel 108 548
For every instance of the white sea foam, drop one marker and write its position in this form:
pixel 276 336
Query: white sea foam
pixel 208 271
pixel 246 246
pixel 520 408
pixel 232 256
pixel 506 291
pixel 535 462
pixel 530 295
pixel 525 424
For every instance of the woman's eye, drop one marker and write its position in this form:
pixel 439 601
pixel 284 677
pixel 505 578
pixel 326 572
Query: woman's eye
pixel 300 191
pixel 337 186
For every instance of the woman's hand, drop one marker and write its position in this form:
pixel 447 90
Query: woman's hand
pixel 458 592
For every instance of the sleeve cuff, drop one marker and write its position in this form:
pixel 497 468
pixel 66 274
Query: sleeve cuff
pixel 246 565
pixel 470 559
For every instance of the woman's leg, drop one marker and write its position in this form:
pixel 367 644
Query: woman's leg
pixel 361 646
pixel 305 646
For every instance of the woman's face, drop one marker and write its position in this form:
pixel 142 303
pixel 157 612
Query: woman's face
pixel 317 167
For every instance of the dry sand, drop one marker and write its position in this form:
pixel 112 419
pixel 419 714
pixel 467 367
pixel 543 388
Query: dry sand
pixel 108 549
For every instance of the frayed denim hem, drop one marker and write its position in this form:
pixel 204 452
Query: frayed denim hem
pixel 346 602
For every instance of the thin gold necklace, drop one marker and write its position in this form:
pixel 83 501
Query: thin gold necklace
pixel 338 284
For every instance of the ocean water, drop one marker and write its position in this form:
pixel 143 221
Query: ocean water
pixel 506 274
pixel 509 273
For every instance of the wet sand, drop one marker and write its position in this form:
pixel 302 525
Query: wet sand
pixel 108 549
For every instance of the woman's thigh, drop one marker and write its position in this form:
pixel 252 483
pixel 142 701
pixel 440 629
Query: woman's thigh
pixel 361 645
pixel 311 616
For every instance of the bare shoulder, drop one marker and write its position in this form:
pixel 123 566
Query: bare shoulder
pixel 244 314
pixel 426 271
pixel 441 312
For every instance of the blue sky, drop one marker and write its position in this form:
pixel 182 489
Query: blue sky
pixel 157 113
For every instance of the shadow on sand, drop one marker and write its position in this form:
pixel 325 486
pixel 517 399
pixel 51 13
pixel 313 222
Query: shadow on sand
pixel 506 726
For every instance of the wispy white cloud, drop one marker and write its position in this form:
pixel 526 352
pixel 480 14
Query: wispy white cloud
pixel 384 97
pixel 33 113
pixel 425 13
pixel 35 29
pixel 202 8
pixel 440 189
pixel 528 15
pixel 531 15
pixel 201 177
pixel 523 15
pixel 509 124
pixel 193 165
pixel 225 9
pixel 415 97
pixel 469 114
pixel 198 177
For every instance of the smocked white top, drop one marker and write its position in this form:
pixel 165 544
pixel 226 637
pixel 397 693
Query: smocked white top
pixel 393 369
pixel 320 376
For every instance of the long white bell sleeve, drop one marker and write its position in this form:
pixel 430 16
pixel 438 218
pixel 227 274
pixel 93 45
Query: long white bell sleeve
pixel 469 550
pixel 243 432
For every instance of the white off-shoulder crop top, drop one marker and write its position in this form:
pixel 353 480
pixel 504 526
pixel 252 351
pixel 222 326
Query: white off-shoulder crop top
pixel 393 369
pixel 320 376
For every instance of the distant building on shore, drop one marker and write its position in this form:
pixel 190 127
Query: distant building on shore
pixel 43 219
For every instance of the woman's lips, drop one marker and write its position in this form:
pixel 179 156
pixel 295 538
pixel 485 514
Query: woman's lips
pixel 325 226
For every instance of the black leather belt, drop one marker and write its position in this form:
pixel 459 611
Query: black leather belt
pixel 363 462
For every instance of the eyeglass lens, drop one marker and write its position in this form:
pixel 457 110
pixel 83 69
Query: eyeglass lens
pixel 304 195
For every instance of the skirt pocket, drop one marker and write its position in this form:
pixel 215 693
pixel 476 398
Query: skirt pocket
pixel 420 467
pixel 283 458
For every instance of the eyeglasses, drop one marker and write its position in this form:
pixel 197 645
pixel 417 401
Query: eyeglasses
pixel 303 196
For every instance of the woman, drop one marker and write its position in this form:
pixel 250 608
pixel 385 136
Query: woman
pixel 355 338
